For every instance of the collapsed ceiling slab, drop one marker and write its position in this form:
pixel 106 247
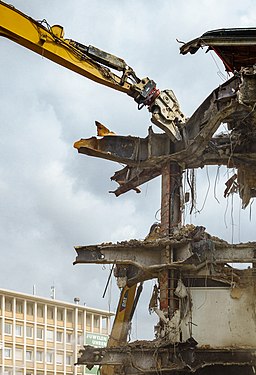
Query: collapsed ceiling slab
pixel 231 103
pixel 189 249
pixel 157 359
pixel 236 46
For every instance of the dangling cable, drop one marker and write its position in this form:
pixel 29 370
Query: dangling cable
pixel 108 280
pixel 215 183
pixel 207 192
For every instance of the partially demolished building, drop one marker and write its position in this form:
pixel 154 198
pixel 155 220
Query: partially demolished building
pixel 206 305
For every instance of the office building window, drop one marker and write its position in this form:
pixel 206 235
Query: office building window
pixel 19 354
pixel 104 322
pixel 59 336
pixel 19 330
pixel 49 357
pixel 49 335
pixel 39 333
pixel 89 322
pixel 69 359
pixel 39 356
pixel 80 340
pixel 80 318
pixel 69 338
pixel 40 311
pixel 8 304
pixel 29 355
pixel 50 312
pixel 59 359
pixel 7 353
pixel 69 316
pixel 8 328
pixel 96 323
pixel 29 332
pixel 19 307
pixel 18 372
pixel 8 371
pixel 30 309
pixel 60 315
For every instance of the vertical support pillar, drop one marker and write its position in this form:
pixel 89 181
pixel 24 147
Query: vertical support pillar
pixel 170 219
pixel 171 201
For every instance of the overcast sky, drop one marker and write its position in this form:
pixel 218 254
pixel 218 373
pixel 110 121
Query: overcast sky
pixel 53 198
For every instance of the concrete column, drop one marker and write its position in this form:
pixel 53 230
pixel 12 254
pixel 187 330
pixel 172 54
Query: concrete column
pixel 170 220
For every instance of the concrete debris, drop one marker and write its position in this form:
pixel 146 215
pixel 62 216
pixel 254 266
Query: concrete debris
pixel 243 182
pixel 231 186
pixel 181 290
pixel 236 292
pixel 153 303
pixel 154 232
pixel 102 130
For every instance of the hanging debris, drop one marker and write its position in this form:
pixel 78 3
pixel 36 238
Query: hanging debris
pixel 246 178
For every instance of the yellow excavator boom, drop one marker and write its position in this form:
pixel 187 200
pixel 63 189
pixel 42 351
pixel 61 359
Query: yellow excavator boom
pixel 122 323
pixel 93 63
pixel 49 42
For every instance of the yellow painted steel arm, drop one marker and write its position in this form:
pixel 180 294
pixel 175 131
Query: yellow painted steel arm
pixel 123 317
pixel 121 325
pixel 49 42
pixel 93 63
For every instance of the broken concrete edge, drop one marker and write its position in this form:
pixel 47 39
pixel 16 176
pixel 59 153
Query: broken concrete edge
pixel 187 234
pixel 165 359
pixel 231 103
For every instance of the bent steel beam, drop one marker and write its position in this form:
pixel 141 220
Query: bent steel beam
pixel 231 103
pixel 145 259
pixel 157 359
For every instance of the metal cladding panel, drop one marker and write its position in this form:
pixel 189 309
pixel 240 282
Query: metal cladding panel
pixel 224 317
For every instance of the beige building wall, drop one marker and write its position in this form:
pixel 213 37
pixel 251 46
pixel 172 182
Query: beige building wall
pixel 40 336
